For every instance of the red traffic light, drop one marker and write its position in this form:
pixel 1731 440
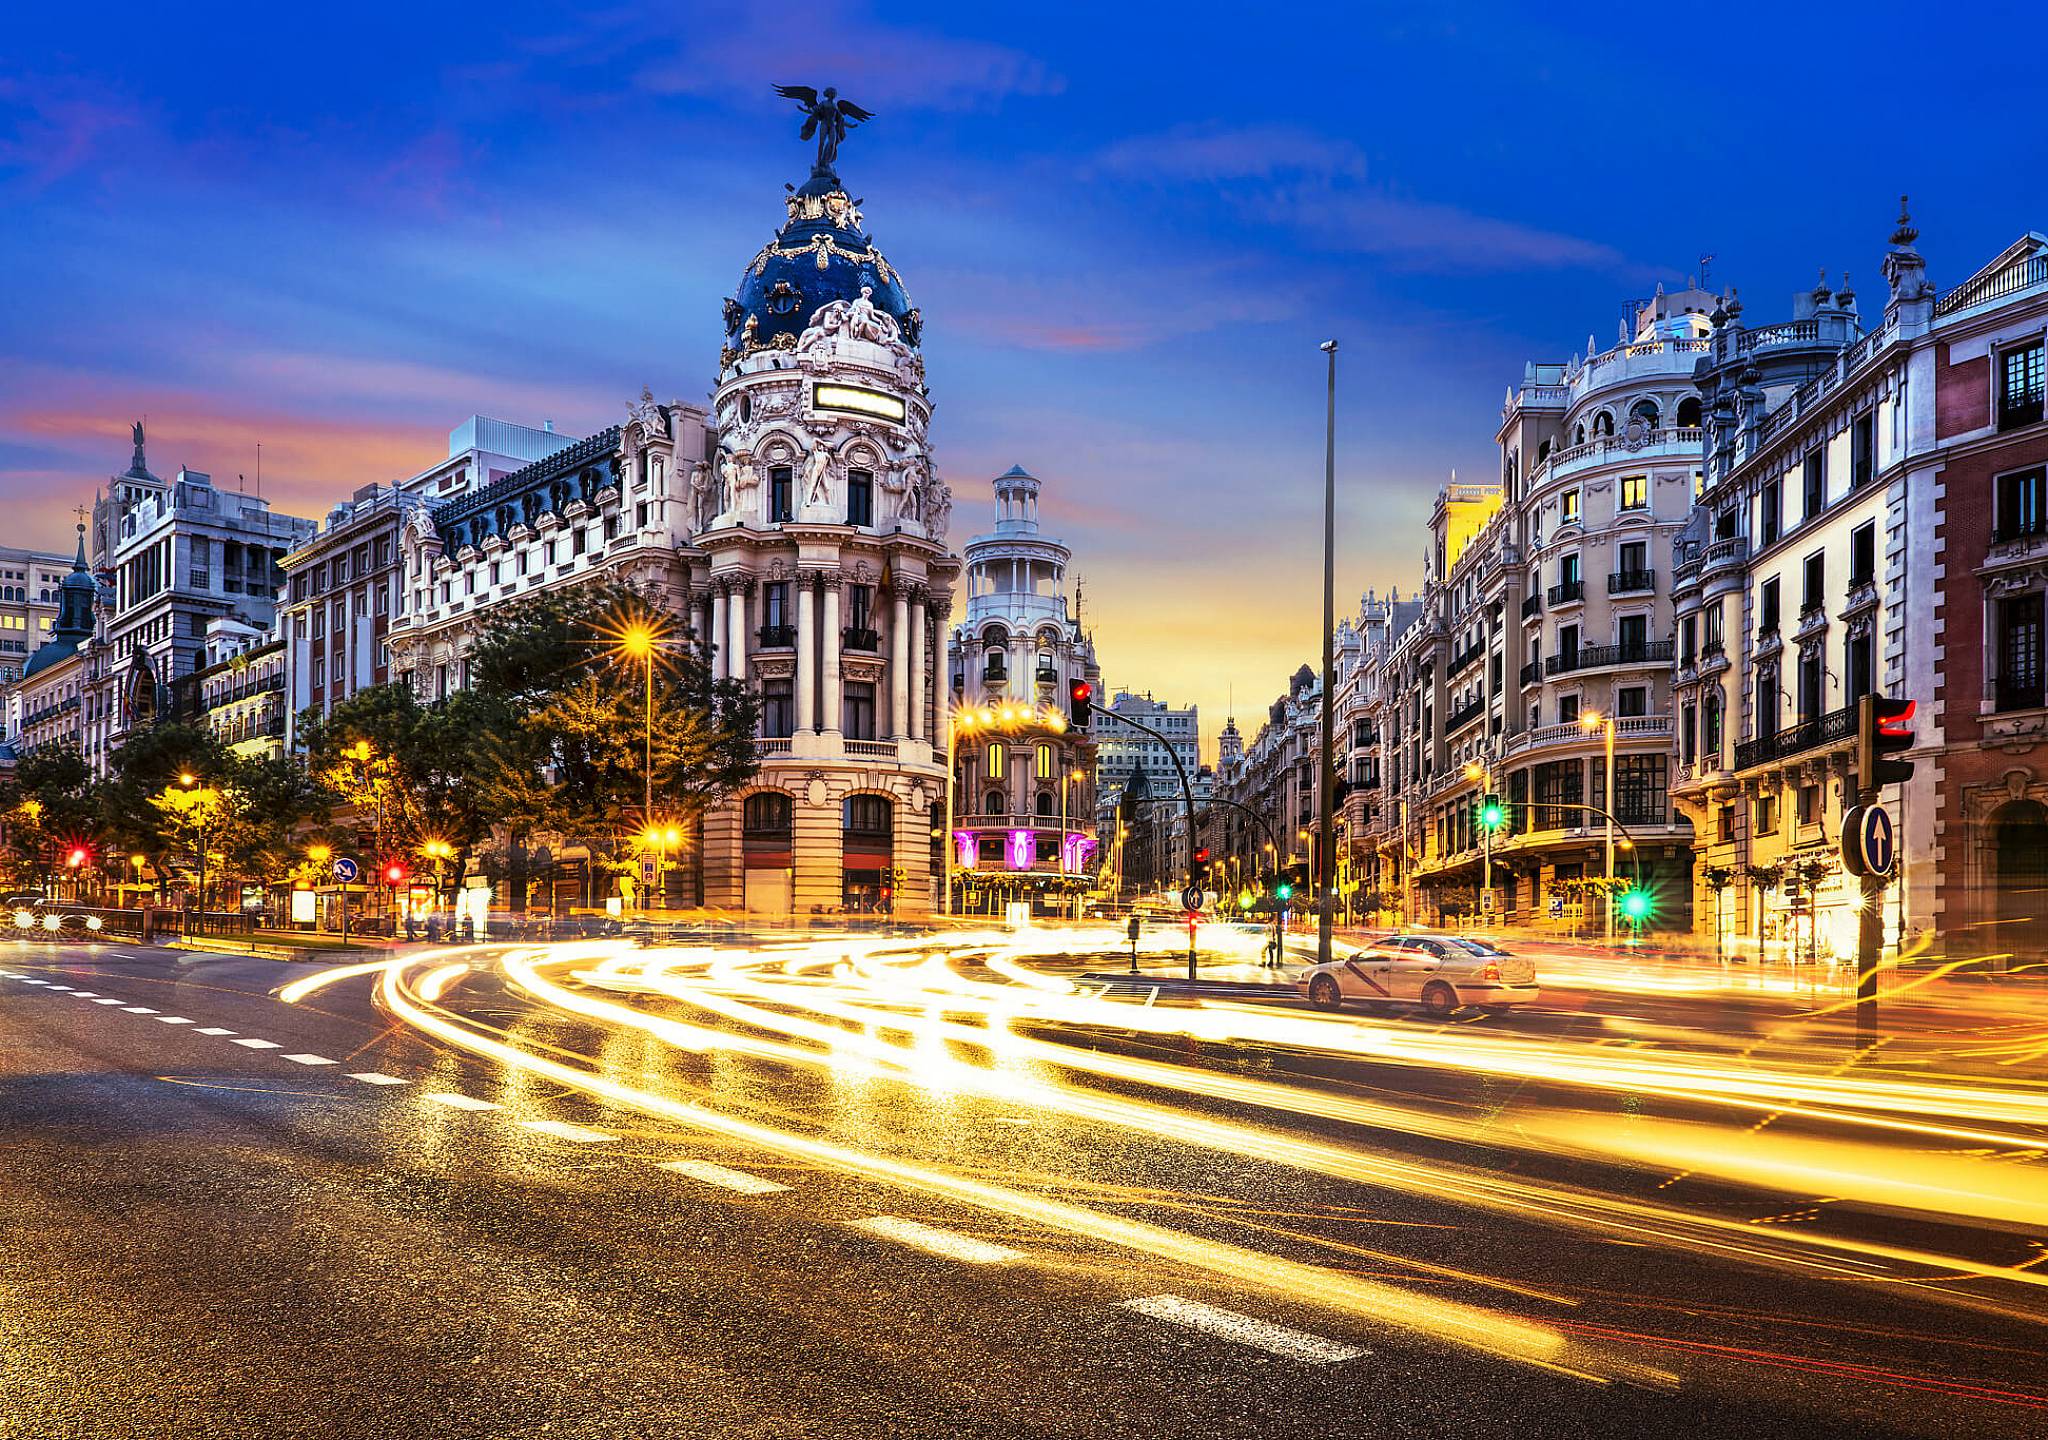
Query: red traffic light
pixel 1079 697
pixel 1895 717
pixel 1202 855
pixel 394 873
pixel 79 855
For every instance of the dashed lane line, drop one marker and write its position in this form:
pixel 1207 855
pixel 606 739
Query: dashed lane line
pixel 948 1244
pixel 563 1130
pixel 212 1030
pixel 254 1044
pixel 458 1102
pixel 85 994
pixel 137 1010
pixel 737 1181
pixel 55 988
pixel 310 1060
pixel 109 1000
pixel 1244 1330
pixel 172 1020
pixel 377 1077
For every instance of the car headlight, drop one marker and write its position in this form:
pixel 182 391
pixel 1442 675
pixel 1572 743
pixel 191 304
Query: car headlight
pixel 26 919
pixel 93 922
pixel 52 922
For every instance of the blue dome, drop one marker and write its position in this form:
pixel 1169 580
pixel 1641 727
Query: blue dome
pixel 814 260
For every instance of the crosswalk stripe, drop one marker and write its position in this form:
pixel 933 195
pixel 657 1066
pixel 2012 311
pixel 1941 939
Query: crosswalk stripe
pixel 373 1077
pixel 738 1181
pixel 932 1240
pixel 1244 1330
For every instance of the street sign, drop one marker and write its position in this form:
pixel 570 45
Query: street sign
pixel 1869 841
pixel 1191 898
pixel 346 869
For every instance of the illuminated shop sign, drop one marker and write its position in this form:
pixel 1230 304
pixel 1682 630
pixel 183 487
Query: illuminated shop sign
pixel 860 402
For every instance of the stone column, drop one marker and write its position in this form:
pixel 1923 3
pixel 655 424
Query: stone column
pixel 919 621
pixel 899 665
pixel 717 641
pixel 806 647
pixel 736 622
pixel 830 696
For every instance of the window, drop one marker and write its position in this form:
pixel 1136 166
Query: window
pixel 1766 699
pixel 1710 725
pixel 1568 647
pixel 2019 389
pixel 1813 584
pixel 1860 670
pixel 1635 558
pixel 1043 765
pixel 1816 477
pixel 867 815
pixel 768 814
pixel 1632 700
pixel 1862 450
pixel 2018 684
pixel 1727 825
pixel 775 603
pixel 858 703
pixel 778 709
pixel 1640 789
pixel 993 803
pixel 1812 689
pixel 860 606
pixel 1571 508
pixel 1764 815
pixel 1809 804
pixel 780 480
pixel 1560 794
pixel 1767 611
pixel 1688 637
pixel 1770 505
pixel 2018 498
pixel 1689 413
pixel 1632 634
pixel 996 761
pixel 860 497
pixel 1568 710
pixel 1635 492
pixel 1724 525
pixel 1688 736
pixel 1568 569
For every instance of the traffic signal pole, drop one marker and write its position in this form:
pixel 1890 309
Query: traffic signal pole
pixel 1884 730
pixel 1084 706
pixel 1327 762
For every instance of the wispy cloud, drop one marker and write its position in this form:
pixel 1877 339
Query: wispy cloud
pixel 50 128
pixel 1210 153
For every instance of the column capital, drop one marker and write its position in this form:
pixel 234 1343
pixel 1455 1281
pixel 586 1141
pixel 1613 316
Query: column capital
pixel 830 579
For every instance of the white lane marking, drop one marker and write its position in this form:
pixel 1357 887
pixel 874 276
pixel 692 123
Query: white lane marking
pixel 459 1102
pixel 35 982
pixel 563 1130
pixel 258 1044
pixel 85 994
pixel 213 1030
pixel 376 1077
pixel 172 1020
pixel 55 988
pixel 1244 1330
pixel 110 1000
pixel 735 1180
pixel 310 1059
pixel 137 1010
pixel 933 1241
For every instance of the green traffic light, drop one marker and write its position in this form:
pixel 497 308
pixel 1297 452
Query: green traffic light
pixel 1492 817
pixel 1283 891
pixel 1636 905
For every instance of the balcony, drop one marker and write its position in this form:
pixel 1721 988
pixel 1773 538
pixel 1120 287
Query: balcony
pixel 1722 554
pixel 1467 658
pixel 1532 672
pixel 2015 411
pixel 776 637
pixel 1571 732
pixel 1828 729
pixel 1630 582
pixel 2023 692
pixel 1465 715
pixel 1592 657
pixel 1532 606
pixel 1567 592
pixel 2010 530
pixel 771 745
pixel 861 638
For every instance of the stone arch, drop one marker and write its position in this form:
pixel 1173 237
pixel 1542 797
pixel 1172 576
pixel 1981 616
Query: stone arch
pixel 1689 413
pixel 2017 839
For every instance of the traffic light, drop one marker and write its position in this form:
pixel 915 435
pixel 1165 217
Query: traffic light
pixel 394 872
pixel 1636 906
pixel 1198 866
pixel 1884 727
pixel 78 856
pixel 1492 814
pixel 1080 697
pixel 1283 888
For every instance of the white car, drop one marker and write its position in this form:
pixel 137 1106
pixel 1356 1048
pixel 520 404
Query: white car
pixel 1440 973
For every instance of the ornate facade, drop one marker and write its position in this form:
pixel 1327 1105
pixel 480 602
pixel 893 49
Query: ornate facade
pixel 1024 777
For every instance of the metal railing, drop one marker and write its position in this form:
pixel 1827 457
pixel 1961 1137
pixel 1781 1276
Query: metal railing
pixel 1567 591
pixel 1623 582
pixel 1828 729
pixel 1532 606
pixel 776 637
pixel 1588 657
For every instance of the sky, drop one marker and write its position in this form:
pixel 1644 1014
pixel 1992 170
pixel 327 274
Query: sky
pixel 336 232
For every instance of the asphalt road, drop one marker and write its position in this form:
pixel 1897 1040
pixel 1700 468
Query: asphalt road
pixel 312 1220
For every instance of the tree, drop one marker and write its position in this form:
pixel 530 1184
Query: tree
pixel 51 803
pixel 150 761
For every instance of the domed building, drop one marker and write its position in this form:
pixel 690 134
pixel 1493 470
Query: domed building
pixel 825 575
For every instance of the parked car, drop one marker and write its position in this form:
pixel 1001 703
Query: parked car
pixel 1440 973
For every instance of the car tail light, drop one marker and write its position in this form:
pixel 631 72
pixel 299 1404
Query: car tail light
pixel 1490 971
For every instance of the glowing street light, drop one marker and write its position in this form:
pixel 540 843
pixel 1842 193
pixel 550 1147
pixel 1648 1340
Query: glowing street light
pixel 1590 721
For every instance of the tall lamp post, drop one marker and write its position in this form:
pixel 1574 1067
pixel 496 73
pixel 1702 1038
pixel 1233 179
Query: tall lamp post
pixel 1325 765
pixel 1594 720
pixel 190 781
pixel 1480 773
pixel 637 642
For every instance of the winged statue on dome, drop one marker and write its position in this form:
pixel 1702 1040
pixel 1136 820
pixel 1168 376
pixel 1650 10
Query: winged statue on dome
pixel 827 117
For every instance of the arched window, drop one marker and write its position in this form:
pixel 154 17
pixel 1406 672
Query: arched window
pixel 1043 767
pixel 767 813
pixel 1603 424
pixel 1045 805
pixel 1645 411
pixel 992 803
pixel 1579 434
pixel 867 815
pixel 998 760
pixel 1689 413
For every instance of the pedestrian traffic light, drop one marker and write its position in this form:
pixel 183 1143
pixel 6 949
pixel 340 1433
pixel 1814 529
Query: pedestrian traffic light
pixel 1199 862
pixel 1884 727
pixel 1080 697
pixel 1492 814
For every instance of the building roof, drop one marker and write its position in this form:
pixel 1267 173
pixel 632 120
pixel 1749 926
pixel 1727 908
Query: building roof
pixel 821 255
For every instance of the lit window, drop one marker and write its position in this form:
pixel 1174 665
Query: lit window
pixel 1571 507
pixel 995 762
pixel 1045 762
pixel 1635 492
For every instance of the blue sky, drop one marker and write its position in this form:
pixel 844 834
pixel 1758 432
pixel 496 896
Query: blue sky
pixel 339 231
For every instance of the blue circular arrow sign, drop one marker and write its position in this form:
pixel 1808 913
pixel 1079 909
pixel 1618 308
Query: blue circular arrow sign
pixel 346 869
pixel 1869 841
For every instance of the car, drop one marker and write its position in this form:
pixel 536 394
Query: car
pixel 1440 973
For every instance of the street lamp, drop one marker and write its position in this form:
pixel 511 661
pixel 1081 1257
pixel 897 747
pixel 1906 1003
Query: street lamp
pixel 1489 821
pixel 1594 720
pixel 637 641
